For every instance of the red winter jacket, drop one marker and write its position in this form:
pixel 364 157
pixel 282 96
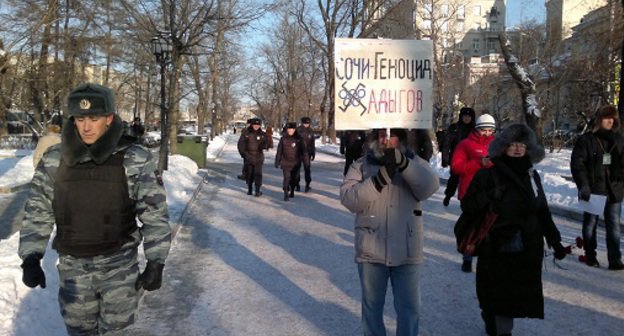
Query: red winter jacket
pixel 466 159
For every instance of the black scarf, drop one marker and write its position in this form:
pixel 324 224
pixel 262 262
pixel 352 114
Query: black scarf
pixel 73 149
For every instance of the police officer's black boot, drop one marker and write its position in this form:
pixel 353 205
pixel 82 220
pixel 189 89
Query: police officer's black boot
pixel 258 192
pixel 292 192
pixel 307 187
pixel 297 187
pixel 249 189
pixel 286 195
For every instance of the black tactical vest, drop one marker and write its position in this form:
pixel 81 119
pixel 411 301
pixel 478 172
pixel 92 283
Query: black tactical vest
pixel 92 207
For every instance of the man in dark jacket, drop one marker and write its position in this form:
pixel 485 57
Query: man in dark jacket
pixel 92 188
pixel 290 152
pixel 251 146
pixel 455 133
pixel 597 166
pixel 307 135
pixel 351 145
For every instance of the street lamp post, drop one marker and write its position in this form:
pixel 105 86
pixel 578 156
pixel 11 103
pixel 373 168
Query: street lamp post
pixel 161 47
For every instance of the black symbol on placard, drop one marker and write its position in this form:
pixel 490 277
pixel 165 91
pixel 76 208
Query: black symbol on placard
pixel 352 97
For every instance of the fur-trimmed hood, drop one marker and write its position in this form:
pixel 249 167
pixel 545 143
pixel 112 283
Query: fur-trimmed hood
pixel 517 133
pixel 74 150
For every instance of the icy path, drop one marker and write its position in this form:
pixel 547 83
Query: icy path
pixel 242 265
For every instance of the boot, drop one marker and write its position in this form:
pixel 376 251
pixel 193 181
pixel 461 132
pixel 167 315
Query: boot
pixel 292 192
pixel 285 196
pixel 466 266
pixel 249 189
pixel 297 187
pixel 490 323
pixel 307 187
pixel 258 192
pixel 616 266
pixel 592 261
pixel 447 200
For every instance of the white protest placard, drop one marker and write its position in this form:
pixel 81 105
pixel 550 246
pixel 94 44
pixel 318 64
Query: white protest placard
pixel 595 205
pixel 383 83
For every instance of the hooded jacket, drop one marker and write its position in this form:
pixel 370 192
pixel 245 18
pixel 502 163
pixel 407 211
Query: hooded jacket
pixel 467 157
pixel 388 224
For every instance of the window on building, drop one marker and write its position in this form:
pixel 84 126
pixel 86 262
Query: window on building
pixel 491 46
pixel 444 10
pixel 426 24
pixel 461 12
pixel 459 26
pixel 476 10
pixel 476 44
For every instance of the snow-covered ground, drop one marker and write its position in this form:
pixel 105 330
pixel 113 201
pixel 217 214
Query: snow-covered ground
pixel 288 250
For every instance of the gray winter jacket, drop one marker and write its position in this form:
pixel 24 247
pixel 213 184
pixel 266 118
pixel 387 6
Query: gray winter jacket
pixel 388 224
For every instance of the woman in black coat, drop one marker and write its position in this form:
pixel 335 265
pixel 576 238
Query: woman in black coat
pixel 509 267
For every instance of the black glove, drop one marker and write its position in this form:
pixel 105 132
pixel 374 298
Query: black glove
pixel 277 164
pixel 312 157
pixel 584 193
pixel 33 274
pixel 390 162
pixel 560 251
pixel 151 278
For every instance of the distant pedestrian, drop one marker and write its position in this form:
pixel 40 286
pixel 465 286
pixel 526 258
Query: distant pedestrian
pixel 137 129
pixel 351 145
pixel 420 142
pixel 597 166
pixel 290 152
pixel 92 188
pixel 455 133
pixel 384 189
pixel 52 137
pixel 509 267
pixel 251 146
pixel 470 155
pixel 307 135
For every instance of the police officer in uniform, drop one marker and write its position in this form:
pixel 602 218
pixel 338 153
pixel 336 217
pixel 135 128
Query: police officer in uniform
pixel 244 171
pixel 290 152
pixel 251 146
pixel 306 133
pixel 93 186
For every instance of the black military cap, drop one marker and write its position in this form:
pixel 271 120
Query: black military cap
pixel 305 120
pixel 256 121
pixel 91 99
pixel 291 125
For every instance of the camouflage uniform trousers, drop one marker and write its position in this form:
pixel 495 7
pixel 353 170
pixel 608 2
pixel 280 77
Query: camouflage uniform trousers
pixel 97 295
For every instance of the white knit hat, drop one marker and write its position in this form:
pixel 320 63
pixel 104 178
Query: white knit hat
pixel 485 121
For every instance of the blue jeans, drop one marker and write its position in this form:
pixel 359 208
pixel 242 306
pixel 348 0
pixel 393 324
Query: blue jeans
pixel 405 280
pixel 612 213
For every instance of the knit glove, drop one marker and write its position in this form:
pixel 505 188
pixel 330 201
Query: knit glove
pixel 151 278
pixel 33 275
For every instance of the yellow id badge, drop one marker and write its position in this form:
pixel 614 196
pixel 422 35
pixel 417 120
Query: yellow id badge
pixel 606 159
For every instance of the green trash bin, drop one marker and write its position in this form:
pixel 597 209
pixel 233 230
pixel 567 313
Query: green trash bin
pixel 193 147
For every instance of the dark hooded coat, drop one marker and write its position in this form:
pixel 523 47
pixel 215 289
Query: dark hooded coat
pixel 509 283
